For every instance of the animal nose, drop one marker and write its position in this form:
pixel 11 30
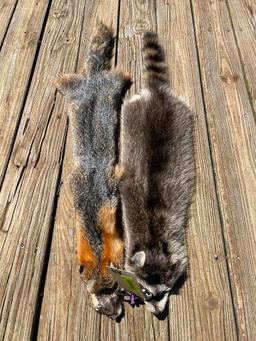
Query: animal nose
pixel 98 308
pixel 117 318
pixel 161 315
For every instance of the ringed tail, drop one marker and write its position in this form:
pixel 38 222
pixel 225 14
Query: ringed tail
pixel 156 71
pixel 101 48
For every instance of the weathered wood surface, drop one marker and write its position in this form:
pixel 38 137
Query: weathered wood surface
pixel 203 39
pixel 6 11
pixel 232 133
pixel 32 175
pixel 16 63
pixel 243 18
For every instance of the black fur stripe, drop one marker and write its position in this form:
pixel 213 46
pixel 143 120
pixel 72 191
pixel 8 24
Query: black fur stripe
pixel 158 77
pixel 153 45
pixel 154 60
pixel 155 68
pixel 154 57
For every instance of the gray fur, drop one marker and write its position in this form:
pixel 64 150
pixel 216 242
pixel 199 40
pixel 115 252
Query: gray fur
pixel 94 128
pixel 95 101
pixel 157 156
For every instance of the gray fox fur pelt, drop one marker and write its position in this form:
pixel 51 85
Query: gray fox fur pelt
pixel 157 161
pixel 94 107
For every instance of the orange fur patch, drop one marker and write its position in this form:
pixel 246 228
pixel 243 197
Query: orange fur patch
pixel 68 81
pixel 107 219
pixel 113 246
pixel 85 255
pixel 119 172
pixel 112 252
pixel 123 74
pixel 84 250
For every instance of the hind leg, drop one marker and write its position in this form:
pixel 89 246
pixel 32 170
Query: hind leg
pixel 113 254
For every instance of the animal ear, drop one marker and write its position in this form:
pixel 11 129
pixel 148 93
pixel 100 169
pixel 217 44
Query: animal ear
pixel 69 86
pixel 139 259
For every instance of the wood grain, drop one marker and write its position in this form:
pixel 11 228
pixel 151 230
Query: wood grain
pixel 6 11
pixel 16 62
pixel 233 141
pixel 39 148
pixel 67 312
pixel 243 18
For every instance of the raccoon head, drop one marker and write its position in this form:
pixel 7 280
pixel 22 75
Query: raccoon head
pixel 157 274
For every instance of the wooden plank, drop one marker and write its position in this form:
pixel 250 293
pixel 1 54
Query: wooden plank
pixel 67 312
pixel 203 309
pixel 6 11
pixel 32 187
pixel 16 62
pixel 233 139
pixel 135 18
pixel 243 18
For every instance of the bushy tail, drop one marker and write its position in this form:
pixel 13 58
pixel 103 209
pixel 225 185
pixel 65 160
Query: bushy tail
pixel 101 49
pixel 156 72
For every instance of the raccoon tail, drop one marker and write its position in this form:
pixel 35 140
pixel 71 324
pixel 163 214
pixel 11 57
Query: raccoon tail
pixel 156 72
pixel 101 49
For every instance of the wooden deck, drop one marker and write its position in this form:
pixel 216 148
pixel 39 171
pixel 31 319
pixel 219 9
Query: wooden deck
pixel 212 57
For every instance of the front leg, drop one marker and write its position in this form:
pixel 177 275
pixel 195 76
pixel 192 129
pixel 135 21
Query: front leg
pixel 113 246
pixel 85 256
